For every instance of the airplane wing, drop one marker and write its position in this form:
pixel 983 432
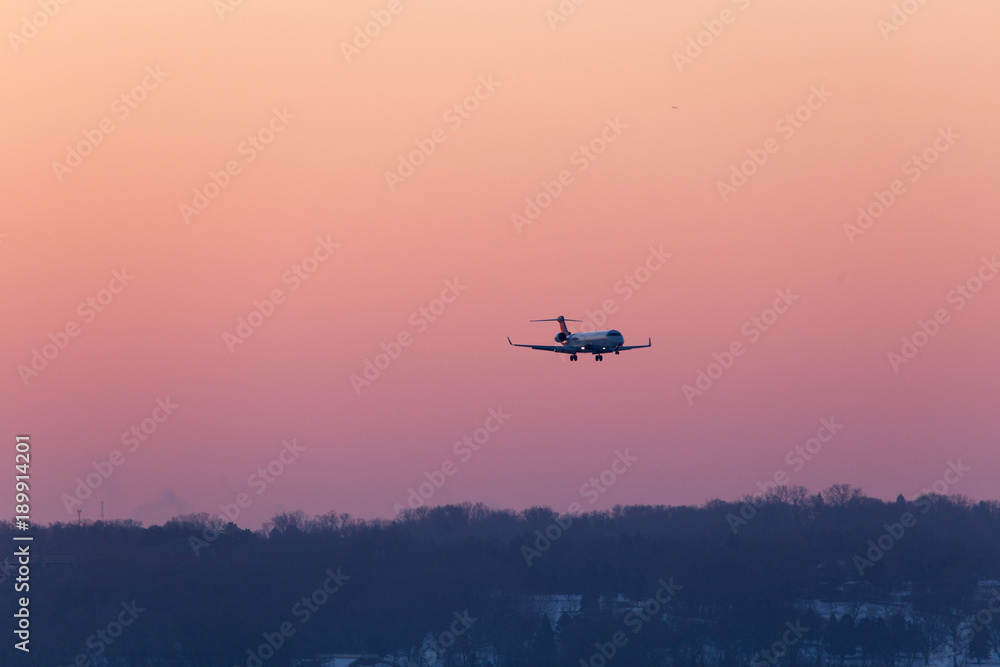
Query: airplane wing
pixel 635 347
pixel 565 349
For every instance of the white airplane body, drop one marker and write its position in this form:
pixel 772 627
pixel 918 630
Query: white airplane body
pixel 593 342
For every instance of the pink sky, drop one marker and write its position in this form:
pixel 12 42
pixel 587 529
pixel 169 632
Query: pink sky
pixel 339 120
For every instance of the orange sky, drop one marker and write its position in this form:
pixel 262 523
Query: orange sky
pixel 217 159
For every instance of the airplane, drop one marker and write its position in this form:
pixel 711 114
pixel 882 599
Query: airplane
pixel 594 342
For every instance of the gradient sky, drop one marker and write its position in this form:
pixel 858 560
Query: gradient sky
pixel 556 86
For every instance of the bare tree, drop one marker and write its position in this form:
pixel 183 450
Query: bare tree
pixel 840 495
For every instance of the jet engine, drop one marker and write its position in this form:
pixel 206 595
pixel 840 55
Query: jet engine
pixel 561 337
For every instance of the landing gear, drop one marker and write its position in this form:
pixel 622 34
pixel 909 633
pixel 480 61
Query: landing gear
pixel 572 357
pixel 599 357
pixel 616 351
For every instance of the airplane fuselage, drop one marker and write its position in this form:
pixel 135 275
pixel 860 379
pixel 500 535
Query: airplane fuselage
pixel 593 340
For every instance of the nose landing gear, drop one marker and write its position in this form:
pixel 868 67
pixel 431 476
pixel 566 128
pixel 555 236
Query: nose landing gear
pixel 599 357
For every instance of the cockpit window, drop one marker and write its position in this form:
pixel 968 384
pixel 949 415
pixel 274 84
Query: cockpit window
pixel 613 333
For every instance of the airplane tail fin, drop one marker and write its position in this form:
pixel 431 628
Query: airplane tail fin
pixel 562 323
